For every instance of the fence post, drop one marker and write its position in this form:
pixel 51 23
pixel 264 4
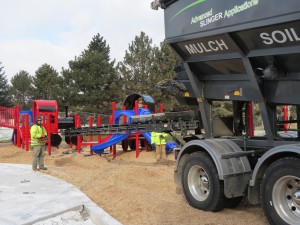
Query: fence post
pixel 77 125
pixel 161 108
pixel 17 125
pixel 110 121
pixel 23 131
pixel 99 124
pixel 91 136
pixel 27 131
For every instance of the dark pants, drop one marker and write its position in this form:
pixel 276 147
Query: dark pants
pixel 38 156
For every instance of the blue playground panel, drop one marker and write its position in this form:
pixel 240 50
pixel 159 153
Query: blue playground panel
pixel 29 112
pixel 23 112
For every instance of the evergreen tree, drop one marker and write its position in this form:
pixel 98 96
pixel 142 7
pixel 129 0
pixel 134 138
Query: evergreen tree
pixel 165 61
pixel 92 79
pixel 144 66
pixel 136 68
pixel 5 99
pixel 22 89
pixel 46 82
pixel 66 89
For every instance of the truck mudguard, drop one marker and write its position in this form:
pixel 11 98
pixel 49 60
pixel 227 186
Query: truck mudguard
pixel 285 149
pixel 233 171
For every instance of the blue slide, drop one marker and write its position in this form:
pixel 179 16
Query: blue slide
pixel 116 138
pixel 99 149
pixel 148 137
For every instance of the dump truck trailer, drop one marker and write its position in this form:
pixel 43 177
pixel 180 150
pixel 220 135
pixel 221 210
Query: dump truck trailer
pixel 242 56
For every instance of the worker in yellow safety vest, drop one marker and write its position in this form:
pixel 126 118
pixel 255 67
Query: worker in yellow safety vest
pixel 159 139
pixel 38 136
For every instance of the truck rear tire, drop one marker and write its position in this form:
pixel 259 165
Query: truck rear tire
pixel 280 192
pixel 201 185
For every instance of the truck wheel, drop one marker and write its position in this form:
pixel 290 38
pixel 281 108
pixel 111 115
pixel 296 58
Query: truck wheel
pixel 280 192
pixel 201 185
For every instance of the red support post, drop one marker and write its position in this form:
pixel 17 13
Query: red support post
pixel 250 119
pixel 285 118
pixel 99 124
pixel 91 125
pixel 91 136
pixel 114 147
pixel 137 150
pixel 161 108
pixel 113 106
pixel 136 112
pixel 136 107
pixel 77 125
pixel 110 121
pixel 99 121
pixel 91 151
pixel 124 117
pixel 17 125
pixel 23 131
pixel 27 132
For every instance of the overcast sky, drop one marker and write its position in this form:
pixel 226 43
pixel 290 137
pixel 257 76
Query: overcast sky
pixel 34 32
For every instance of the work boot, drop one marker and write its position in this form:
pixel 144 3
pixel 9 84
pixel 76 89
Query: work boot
pixel 43 168
pixel 35 169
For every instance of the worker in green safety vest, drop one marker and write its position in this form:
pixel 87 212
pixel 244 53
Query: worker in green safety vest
pixel 38 136
pixel 159 139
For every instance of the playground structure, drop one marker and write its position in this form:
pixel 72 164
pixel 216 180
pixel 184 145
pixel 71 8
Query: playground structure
pixel 133 140
pixel 10 118
pixel 120 128
pixel 21 121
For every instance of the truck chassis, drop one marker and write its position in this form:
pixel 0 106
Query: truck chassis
pixel 244 55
